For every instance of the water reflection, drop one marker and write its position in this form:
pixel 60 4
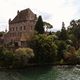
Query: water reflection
pixel 42 73
pixel 31 73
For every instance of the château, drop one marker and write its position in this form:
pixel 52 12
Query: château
pixel 21 28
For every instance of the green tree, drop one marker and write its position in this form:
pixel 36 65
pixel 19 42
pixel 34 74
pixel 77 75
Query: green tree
pixel 1 38
pixel 1 34
pixel 63 34
pixel 74 29
pixel 44 48
pixel 39 26
pixel 47 26
pixel 61 48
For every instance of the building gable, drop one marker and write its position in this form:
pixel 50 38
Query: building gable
pixel 23 15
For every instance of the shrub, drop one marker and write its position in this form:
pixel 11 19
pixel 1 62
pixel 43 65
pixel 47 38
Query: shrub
pixel 78 56
pixel 70 56
pixel 22 56
pixel 6 57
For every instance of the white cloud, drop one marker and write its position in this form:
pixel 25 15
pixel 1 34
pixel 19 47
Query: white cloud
pixel 53 11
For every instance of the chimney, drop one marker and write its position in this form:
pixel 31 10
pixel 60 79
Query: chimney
pixel 63 24
pixel 18 12
pixel 9 20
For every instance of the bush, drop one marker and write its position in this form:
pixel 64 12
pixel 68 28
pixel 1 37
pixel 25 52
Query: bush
pixel 22 56
pixel 70 55
pixel 6 57
pixel 19 58
pixel 78 56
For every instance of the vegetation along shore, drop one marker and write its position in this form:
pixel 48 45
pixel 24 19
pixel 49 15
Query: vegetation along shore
pixel 44 48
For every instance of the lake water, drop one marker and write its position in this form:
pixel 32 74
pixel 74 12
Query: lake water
pixel 42 73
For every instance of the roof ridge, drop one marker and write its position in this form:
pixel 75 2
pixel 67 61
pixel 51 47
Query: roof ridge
pixel 21 16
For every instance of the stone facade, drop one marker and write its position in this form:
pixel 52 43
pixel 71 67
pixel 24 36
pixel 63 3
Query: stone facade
pixel 21 28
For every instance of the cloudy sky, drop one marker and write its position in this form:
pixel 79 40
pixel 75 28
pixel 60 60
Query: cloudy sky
pixel 52 11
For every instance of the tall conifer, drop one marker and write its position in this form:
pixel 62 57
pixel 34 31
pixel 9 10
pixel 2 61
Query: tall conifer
pixel 39 26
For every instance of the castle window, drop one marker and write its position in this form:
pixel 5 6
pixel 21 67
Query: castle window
pixel 16 28
pixel 24 27
pixel 21 28
pixel 13 29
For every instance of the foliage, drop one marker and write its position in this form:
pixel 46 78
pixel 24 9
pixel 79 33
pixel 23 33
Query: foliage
pixel 1 38
pixel 39 26
pixel 6 57
pixel 44 48
pixel 78 56
pixel 25 51
pixel 47 25
pixel 63 34
pixel 1 34
pixel 74 30
pixel 70 56
pixel 19 58
pixel 61 48
pixel 78 52
pixel 23 55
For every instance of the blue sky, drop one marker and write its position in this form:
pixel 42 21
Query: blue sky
pixel 52 11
